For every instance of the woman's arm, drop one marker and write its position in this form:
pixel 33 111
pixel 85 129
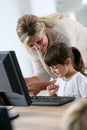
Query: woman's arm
pixel 35 86
pixel 39 70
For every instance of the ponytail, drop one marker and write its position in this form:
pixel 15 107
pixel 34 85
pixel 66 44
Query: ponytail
pixel 78 61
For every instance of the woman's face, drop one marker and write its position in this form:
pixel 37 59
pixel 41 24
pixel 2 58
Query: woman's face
pixel 39 42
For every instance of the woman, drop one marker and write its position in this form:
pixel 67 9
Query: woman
pixel 38 33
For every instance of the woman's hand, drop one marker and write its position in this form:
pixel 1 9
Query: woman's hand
pixel 34 88
pixel 33 85
pixel 52 89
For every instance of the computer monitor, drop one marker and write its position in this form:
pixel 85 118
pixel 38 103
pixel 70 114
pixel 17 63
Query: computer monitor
pixel 13 90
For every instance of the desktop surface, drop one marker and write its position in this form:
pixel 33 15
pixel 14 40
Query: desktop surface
pixel 40 117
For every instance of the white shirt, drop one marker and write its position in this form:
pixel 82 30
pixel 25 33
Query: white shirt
pixel 76 86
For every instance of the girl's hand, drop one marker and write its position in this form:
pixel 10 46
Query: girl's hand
pixel 52 89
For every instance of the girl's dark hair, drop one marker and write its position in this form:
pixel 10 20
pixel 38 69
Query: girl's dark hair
pixel 57 53
pixel 78 61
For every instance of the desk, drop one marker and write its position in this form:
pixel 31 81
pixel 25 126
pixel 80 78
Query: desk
pixel 39 117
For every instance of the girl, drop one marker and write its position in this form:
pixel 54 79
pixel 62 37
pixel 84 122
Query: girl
pixel 67 64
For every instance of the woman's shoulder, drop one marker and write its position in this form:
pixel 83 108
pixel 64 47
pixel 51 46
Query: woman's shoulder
pixel 67 22
pixel 65 25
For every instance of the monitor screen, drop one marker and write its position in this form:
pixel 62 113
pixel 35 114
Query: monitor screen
pixel 13 90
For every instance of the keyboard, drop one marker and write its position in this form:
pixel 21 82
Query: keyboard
pixel 50 100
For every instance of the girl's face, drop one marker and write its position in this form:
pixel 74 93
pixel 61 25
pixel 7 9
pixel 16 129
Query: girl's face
pixel 39 42
pixel 59 70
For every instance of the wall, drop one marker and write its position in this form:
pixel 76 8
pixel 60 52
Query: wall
pixel 10 10
pixel 82 15
pixel 43 7
pixel 77 7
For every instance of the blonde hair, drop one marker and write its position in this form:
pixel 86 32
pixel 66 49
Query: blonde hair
pixel 75 117
pixel 29 25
